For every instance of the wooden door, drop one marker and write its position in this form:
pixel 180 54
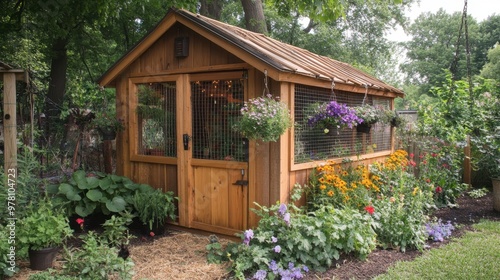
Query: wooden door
pixel 217 165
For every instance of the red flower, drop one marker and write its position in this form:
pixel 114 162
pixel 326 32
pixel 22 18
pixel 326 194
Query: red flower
pixel 412 155
pixel 428 180
pixel 439 189
pixel 152 234
pixel 370 209
pixel 80 221
pixel 434 155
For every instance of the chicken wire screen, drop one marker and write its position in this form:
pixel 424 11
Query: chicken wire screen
pixel 314 144
pixel 216 107
pixel 156 113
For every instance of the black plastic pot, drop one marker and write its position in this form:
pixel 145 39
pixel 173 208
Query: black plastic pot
pixel 42 259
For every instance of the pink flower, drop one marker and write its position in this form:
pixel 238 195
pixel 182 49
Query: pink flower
pixel 412 155
pixel 370 209
pixel 80 221
pixel 152 234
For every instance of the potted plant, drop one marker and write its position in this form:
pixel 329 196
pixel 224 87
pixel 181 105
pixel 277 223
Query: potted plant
pixel 153 208
pixel 150 104
pixel 264 118
pixel 369 115
pixel 107 124
pixel 43 231
pixel 392 118
pixel 332 115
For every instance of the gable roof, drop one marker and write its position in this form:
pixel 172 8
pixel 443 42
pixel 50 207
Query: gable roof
pixel 283 57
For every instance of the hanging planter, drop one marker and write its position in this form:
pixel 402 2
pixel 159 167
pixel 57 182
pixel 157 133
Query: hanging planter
pixel 264 118
pixel 363 128
pixel 107 133
pixel 332 116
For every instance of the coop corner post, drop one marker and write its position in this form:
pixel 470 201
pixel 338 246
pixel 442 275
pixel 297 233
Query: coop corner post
pixel 9 124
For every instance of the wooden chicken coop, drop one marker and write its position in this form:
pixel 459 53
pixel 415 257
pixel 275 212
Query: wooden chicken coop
pixel 180 90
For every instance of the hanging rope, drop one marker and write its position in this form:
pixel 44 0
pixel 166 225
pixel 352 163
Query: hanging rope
pixel 332 93
pixel 366 94
pixel 266 89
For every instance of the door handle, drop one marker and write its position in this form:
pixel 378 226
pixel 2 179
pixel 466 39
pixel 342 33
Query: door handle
pixel 185 141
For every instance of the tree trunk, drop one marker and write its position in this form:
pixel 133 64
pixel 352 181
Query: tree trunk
pixel 254 16
pixel 57 83
pixel 211 8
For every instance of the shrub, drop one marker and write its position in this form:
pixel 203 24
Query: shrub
pixel 96 260
pixel 342 185
pixel 98 192
pixel 288 241
pixel 401 222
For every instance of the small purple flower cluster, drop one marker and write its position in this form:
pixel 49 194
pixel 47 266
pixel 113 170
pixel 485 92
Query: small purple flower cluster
pixel 439 231
pixel 282 212
pixel 334 115
pixel 290 273
pixel 248 236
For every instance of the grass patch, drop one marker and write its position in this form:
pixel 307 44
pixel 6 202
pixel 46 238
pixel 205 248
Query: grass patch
pixel 476 255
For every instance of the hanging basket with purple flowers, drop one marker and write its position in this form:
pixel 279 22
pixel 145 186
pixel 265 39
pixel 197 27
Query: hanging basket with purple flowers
pixel 333 115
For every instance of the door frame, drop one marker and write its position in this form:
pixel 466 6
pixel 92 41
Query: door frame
pixel 190 163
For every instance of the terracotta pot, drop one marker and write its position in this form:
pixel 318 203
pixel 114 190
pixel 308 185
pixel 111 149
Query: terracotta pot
pixel 42 259
pixel 496 193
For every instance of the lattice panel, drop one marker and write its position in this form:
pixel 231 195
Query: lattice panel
pixel 156 113
pixel 216 107
pixel 313 144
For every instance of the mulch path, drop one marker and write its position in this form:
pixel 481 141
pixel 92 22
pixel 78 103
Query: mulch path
pixel 181 255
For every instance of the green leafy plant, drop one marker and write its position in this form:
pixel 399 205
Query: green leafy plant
pixel 150 104
pixel 154 207
pixel 96 260
pixel 43 227
pixel 8 266
pixel 288 241
pixel 392 118
pixel 97 192
pixel 478 193
pixel 107 121
pixel 264 118
pixel 116 232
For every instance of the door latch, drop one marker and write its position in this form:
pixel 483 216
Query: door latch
pixel 241 182
pixel 185 141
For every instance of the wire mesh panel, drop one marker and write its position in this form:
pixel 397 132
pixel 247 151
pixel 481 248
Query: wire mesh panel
pixel 314 144
pixel 156 113
pixel 216 107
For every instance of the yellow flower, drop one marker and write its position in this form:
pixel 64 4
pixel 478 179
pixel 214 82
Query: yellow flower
pixel 322 187
pixel 330 193
pixel 415 190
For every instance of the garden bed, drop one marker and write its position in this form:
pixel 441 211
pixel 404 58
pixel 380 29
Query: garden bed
pixel 181 255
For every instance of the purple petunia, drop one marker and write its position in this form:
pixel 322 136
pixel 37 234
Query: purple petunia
pixel 260 275
pixel 282 209
pixel 277 249
pixel 274 239
pixel 286 218
pixel 334 115
pixel 248 236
